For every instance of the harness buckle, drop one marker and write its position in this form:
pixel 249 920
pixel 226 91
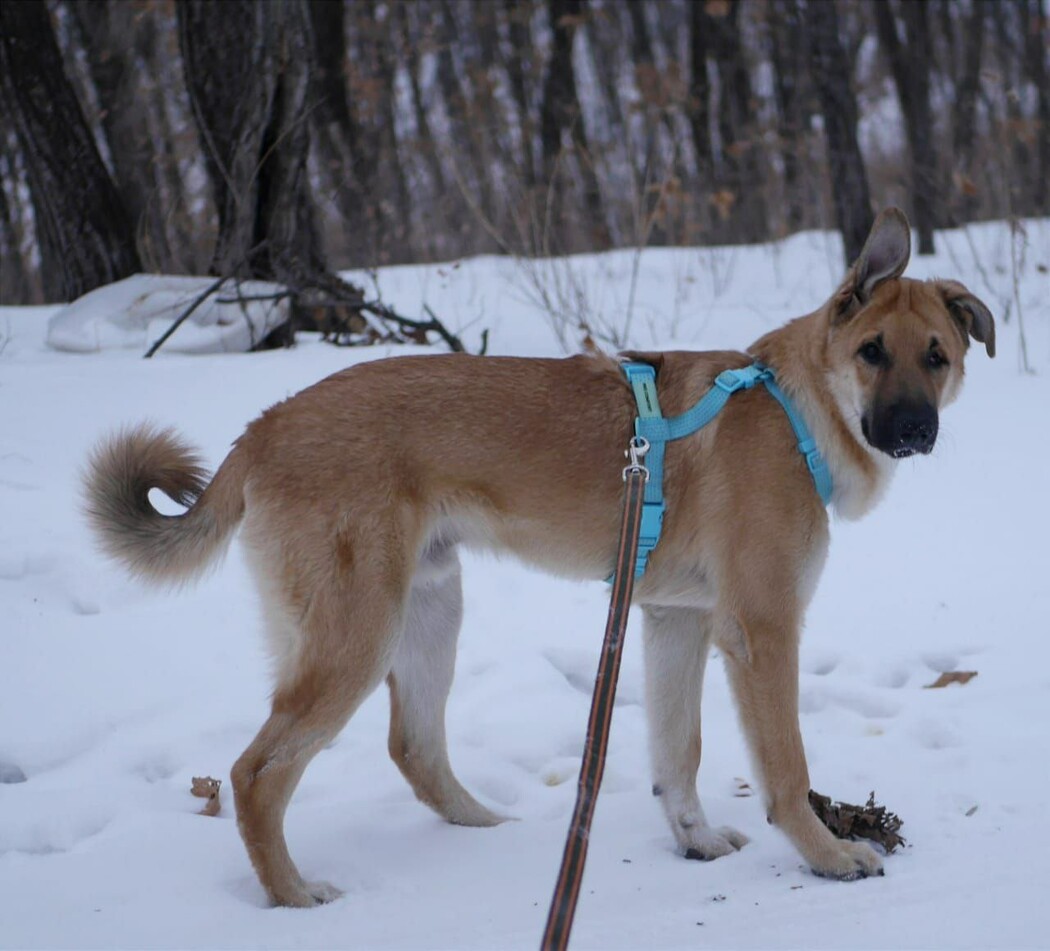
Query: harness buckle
pixel 635 453
pixel 729 381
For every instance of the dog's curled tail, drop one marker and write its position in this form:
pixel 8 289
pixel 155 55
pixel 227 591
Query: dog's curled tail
pixel 161 548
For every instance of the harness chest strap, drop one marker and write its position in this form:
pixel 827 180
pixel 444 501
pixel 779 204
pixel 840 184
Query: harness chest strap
pixel 652 425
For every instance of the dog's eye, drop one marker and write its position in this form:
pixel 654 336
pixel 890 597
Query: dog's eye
pixel 872 353
pixel 935 360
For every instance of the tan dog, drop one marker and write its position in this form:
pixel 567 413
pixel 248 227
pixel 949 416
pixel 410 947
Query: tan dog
pixel 355 493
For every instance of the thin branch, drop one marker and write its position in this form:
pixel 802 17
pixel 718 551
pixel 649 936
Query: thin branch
pixel 385 312
pixel 182 318
pixel 246 298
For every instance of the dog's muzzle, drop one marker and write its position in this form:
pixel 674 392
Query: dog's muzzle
pixel 902 430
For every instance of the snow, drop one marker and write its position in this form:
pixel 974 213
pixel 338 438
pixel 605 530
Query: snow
pixel 138 311
pixel 113 696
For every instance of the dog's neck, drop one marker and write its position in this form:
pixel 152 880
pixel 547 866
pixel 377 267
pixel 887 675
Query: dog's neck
pixel 797 352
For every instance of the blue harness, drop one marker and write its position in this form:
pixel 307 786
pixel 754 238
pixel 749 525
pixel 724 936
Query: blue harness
pixel 653 426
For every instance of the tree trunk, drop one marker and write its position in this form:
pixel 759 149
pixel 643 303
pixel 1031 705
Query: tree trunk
pixel 464 120
pixel 910 61
pixel 964 112
pixel 787 55
pixel 16 286
pixel 443 243
pixel 248 70
pixel 398 237
pixel 107 30
pixel 1037 42
pixel 651 89
pixel 740 179
pixel 699 114
pixel 517 61
pixel 82 227
pixel 561 114
pixel 348 161
pixel 831 72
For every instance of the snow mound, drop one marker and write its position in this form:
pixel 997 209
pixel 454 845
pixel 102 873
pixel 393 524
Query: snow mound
pixel 135 312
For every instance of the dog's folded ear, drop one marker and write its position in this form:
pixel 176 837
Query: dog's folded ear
pixel 970 314
pixel 884 256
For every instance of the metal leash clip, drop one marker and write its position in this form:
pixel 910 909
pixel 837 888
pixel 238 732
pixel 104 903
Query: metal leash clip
pixel 635 452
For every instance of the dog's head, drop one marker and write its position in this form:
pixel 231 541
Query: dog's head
pixel 896 345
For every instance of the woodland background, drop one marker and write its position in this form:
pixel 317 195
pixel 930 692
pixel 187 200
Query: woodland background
pixel 288 139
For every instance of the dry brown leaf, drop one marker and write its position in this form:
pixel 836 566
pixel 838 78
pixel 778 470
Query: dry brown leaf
pixel 953 677
pixel 723 201
pixel 207 788
pixel 869 821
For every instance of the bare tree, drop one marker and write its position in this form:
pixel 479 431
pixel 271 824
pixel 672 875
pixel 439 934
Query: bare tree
pixel 787 52
pixel 831 73
pixel 368 132
pixel 910 56
pixel 739 176
pixel 112 34
pixel 346 157
pixel 82 228
pixel 699 101
pixel 1037 44
pixel 561 116
pixel 965 108
pixel 248 72
pixel 16 279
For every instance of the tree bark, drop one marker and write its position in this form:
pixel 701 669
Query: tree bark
pixel 910 61
pixel 107 30
pixel 1037 42
pixel 964 112
pixel 831 72
pixel 82 227
pixel 561 113
pixel 347 159
pixel 787 55
pixel 16 286
pixel 699 113
pixel 652 90
pixel 247 69
pixel 465 119
pixel 740 179
pixel 518 61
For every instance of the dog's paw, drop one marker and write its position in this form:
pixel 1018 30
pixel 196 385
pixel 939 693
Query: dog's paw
pixel 850 861
pixel 707 843
pixel 306 895
pixel 322 892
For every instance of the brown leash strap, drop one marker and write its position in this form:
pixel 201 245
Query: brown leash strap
pixel 567 889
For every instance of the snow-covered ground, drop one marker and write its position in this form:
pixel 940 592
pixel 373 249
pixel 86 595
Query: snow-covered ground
pixel 113 696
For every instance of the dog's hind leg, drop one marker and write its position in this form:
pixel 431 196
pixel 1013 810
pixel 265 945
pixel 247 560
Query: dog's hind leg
pixel 676 646
pixel 332 671
pixel 419 682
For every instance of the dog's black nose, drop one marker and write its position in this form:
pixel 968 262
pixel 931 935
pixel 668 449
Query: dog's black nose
pixel 914 430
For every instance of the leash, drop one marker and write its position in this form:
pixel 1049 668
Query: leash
pixel 567 888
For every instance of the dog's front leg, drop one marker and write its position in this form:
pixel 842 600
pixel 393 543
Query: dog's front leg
pixel 676 646
pixel 762 660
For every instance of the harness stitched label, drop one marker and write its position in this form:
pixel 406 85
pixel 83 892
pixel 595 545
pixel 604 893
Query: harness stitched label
pixel 651 424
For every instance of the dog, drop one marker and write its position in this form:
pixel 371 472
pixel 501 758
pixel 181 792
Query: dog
pixel 354 495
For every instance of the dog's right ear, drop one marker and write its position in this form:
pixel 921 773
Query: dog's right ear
pixel 884 256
